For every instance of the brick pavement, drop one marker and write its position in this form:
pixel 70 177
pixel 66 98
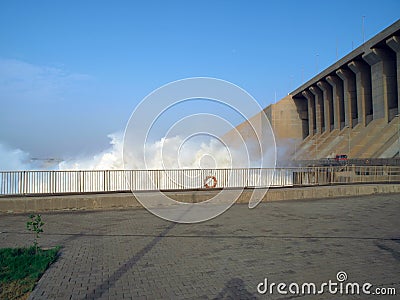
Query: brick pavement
pixel 131 254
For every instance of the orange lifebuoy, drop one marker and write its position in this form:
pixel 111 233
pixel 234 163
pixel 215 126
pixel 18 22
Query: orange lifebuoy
pixel 214 179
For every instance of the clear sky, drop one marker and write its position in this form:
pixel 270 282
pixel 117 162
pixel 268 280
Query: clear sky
pixel 71 72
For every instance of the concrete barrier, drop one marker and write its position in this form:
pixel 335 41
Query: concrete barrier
pixel 23 204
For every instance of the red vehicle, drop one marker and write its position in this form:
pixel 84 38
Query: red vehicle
pixel 341 157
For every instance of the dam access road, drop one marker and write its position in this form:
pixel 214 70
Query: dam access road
pixel 131 254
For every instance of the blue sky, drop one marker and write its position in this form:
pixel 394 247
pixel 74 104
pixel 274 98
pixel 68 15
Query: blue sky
pixel 71 72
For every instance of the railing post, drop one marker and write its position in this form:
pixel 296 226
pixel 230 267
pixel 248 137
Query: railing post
pixel 80 181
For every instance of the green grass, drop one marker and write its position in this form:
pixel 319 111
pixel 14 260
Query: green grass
pixel 21 268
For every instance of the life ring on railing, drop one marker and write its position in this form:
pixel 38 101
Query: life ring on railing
pixel 214 179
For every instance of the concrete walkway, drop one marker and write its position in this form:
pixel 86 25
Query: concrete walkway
pixel 131 254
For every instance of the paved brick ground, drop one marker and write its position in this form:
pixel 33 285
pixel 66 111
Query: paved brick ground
pixel 130 254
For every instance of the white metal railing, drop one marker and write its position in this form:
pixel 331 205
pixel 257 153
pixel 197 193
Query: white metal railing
pixel 59 182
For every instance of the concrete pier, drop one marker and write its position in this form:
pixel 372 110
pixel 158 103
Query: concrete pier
pixel 356 98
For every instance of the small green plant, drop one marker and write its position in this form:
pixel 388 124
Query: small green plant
pixel 35 225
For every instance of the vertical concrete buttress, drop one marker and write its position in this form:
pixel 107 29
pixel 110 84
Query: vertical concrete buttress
pixel 383 82
pixel 364 90
pixel 319 108
pixel 338 101
pixel 350 96
pixel 311 112
pixel 394 44
pixel 328 104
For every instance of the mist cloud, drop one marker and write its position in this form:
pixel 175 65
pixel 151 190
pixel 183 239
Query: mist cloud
pixel 166 153
pixel 13 159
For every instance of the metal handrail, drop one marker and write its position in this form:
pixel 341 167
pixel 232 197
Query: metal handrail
pixel 92 181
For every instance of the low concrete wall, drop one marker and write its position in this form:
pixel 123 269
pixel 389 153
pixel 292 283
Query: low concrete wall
pixel 20 204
